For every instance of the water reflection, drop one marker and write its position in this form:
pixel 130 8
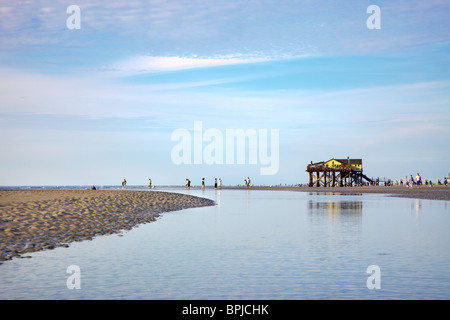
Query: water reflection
pixel 335 220
pixel 218 200
pixel 335 210
pixel 415 205
pixel 247 199
pixel 332 193
pixel 334 231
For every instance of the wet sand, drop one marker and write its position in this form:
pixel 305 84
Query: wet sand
pixel 423 192
pixel 40 220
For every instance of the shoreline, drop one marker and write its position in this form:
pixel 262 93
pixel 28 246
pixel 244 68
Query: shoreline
pixel 36 220
pixel 422 192
pixel 436 192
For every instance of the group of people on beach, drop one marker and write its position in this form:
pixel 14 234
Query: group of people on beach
pixel 217 183
pixel 417 181
pixel 410 182
pixel 414 181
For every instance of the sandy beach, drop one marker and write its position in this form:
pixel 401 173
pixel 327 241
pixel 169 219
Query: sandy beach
pixel 38 220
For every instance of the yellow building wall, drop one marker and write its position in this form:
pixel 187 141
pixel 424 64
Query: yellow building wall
pixel 331 163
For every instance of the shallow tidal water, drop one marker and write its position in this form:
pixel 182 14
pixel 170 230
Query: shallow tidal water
pixel 256 244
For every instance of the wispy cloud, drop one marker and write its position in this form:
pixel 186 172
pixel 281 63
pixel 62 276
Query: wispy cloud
pixel 179 28
pixel 160 63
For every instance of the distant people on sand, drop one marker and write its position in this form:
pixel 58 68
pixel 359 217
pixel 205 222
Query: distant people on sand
pixel 203 183
pixel 149 183
pixel 215 183
pixel 188 184
pixel 248 183
pixel 418 179
pixel 411 181
pixel 220 182
pixel 124 184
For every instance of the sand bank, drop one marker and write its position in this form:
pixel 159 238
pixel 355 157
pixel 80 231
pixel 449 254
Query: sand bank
pixel 423 192
pixel 36 220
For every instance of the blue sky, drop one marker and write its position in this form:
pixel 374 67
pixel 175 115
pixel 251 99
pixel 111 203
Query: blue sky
pixel 99 104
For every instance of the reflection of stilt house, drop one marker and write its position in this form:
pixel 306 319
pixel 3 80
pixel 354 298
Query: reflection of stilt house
pixel 351 209
pixel 336 173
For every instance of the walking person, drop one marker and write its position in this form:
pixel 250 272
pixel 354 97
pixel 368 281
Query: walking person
pixel 418 179
pixel 124 184
pixel 220 183
pixel 149 183
pixel 215 183
pixel 203 183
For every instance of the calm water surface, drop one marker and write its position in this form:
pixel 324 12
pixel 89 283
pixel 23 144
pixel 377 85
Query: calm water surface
pixel 256 245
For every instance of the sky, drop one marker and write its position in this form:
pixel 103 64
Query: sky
pixel 97 102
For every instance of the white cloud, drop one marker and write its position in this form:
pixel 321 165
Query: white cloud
pixel 159 63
